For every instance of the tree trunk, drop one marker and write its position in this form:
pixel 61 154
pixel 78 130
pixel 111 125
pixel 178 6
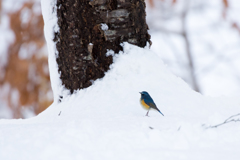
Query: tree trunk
pixel 88 28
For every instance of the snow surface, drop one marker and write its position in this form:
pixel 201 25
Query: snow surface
pixel 106 121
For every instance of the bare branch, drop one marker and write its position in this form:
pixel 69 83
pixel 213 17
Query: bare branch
pixel 188 50
pixel 230 119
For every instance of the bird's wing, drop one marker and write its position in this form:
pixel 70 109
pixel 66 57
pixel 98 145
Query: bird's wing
pixel 153 105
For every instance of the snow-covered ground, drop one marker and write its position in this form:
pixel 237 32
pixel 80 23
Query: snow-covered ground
pixel 106 121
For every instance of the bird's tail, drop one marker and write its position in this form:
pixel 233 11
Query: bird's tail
pixel 160 112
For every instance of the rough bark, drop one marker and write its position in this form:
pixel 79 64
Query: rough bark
pixel 82 41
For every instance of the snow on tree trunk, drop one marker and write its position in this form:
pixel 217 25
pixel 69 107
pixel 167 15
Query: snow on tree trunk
pixel 87 29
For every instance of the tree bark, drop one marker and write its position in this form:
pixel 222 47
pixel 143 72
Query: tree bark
pixel 88 28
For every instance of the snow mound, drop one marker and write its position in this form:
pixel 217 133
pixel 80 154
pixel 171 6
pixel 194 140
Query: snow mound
pixel 106 121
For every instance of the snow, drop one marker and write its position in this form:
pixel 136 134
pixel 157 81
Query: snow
pixel 25 16
pixel 50 27
pixel 5 112
pixel 110 52
pixel 106 120
pixel 104 26
pixel 27 50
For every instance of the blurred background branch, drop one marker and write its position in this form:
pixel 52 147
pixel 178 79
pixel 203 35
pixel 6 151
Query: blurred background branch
pixel 184 33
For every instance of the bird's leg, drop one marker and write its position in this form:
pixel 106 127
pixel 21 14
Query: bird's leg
pixel 147 113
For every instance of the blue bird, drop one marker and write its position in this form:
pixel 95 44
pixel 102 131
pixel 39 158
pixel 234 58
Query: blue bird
pixel 147 102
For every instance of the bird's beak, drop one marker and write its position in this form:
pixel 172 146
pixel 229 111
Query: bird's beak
pixel 140 92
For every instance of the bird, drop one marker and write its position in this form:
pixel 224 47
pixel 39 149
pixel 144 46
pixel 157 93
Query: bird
pixel 147 102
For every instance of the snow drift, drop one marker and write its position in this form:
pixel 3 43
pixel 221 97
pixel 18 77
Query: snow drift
pixel 106 121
